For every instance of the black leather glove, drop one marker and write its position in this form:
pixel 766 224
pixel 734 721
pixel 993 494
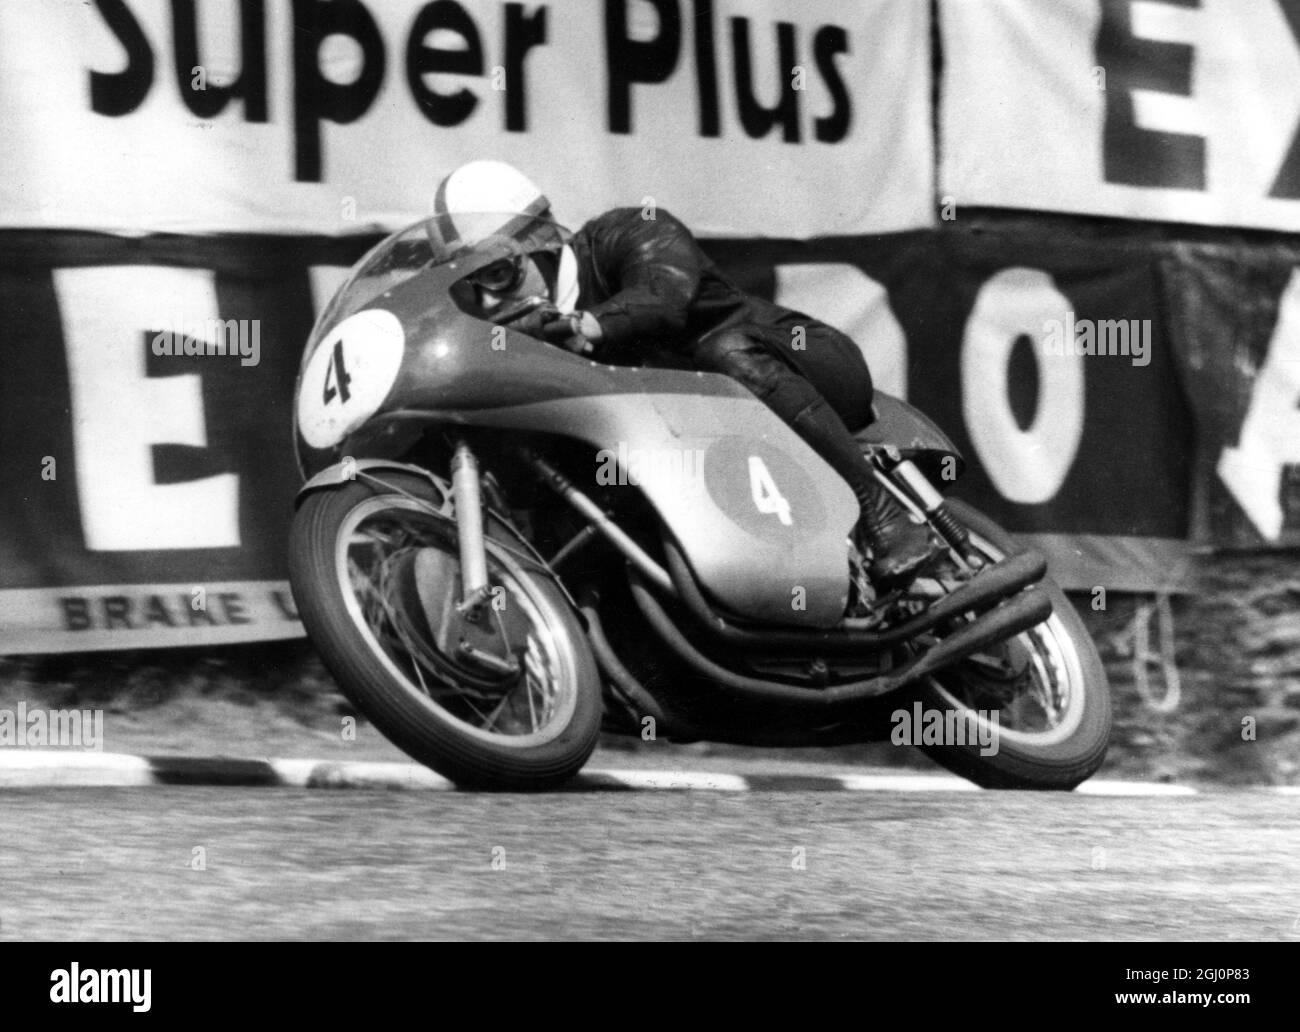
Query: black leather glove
pixel 579 332
pixel 535 322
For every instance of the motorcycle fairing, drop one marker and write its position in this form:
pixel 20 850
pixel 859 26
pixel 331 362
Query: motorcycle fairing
pixel 762 519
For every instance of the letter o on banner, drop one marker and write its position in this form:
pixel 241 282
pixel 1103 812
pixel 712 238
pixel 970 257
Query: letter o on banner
pixel 1026 466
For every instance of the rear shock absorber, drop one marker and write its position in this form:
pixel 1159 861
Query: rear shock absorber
pixel 947 525
pixel 931 501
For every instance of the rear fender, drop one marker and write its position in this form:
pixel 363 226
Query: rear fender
pixel 916 436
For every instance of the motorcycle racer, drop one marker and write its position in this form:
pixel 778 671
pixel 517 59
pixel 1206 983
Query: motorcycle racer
pixel 633 281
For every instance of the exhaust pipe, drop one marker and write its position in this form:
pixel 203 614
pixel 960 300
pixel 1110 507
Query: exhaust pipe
pixel 670 725
pixel 980 593
pixel 1025 610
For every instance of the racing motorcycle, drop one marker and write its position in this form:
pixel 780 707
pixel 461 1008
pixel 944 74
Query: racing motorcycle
pixel 502 548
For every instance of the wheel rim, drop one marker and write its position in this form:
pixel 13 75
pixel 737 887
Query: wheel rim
pixel 533 709
pixel 1056 686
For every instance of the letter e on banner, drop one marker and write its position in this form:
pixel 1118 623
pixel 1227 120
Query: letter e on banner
pixel 119 413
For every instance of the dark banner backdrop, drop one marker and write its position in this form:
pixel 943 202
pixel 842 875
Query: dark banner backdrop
pixel 1125 389
pixel 146 498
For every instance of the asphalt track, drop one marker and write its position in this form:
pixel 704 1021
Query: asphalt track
pixel 289 863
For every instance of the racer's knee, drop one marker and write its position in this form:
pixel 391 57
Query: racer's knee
pixel 739 356
pixel 840 372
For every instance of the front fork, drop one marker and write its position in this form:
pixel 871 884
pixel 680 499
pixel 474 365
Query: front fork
pixel 467 496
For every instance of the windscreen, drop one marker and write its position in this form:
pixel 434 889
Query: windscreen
pixel 469 240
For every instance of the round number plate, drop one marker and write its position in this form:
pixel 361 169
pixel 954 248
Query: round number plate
pixel 349 376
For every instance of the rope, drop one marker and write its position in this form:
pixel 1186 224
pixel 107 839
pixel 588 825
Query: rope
pixel 1144 658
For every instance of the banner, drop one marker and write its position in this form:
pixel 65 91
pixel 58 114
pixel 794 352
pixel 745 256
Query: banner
pixel 1235 315
pixel 148 496
pixel 1083 452
pixel 1118 406
pixel 1177 110
pixel 339 117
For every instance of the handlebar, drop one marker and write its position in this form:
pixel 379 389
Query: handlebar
pixel 525 307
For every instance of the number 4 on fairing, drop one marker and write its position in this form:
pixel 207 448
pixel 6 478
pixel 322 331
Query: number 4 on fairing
pixel 767 497
pixel 337 372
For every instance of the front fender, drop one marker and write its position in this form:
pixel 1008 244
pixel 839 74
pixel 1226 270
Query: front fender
pixel 347 469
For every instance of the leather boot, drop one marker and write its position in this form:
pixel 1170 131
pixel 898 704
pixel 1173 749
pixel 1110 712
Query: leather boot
pixel 900 549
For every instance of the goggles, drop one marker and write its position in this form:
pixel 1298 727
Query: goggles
pixel 501 277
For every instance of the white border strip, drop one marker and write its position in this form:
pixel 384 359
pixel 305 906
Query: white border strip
pixel 672 780
pixel 53 768
pixel 47 768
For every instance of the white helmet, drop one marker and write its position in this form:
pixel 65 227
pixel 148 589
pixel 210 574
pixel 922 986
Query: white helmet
pixel 484 187
pixel 489 186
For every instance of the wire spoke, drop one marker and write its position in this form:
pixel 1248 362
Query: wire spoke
pixel 378 552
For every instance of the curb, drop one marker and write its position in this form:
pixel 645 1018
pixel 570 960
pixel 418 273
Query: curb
pixel 33 768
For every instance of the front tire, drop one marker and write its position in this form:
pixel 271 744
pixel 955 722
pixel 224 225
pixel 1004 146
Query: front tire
pixel 534 731
pixel 1065 741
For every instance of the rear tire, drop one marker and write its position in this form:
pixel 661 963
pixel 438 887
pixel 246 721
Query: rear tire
pixel 1056 757
pixel 389 685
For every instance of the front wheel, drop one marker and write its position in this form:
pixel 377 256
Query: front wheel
pixel 508 700
pixel 1039 704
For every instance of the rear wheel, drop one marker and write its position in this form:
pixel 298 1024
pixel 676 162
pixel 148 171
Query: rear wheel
pixel 507 699
pixel 1040 702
